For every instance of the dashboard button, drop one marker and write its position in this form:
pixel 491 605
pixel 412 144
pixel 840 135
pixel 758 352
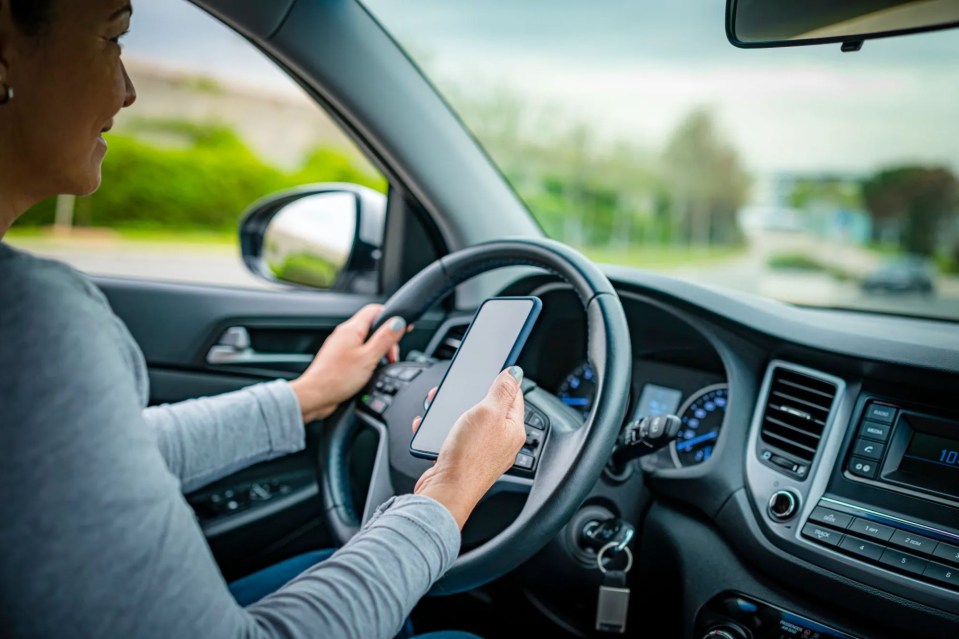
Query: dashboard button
pixel 861 548
pixel 870 529
pixel 863 467
pixel 822 535
pixel 881 413
pixel 902 561
pixel 915 543
pixel 830 517
pixel 948 552
pixel 943 574
pixel 874 430
pixel 869 449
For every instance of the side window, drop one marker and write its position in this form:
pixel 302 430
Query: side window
pixel 216 126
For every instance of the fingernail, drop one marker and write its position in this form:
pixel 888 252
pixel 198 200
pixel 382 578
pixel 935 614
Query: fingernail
pixel 397 324
pixel 517 373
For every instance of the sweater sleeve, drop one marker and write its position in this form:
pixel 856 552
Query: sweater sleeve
pixel 98 538
pixel 202 440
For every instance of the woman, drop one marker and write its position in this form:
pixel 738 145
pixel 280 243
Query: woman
pixel 96 537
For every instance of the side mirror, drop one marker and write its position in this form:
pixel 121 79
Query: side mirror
pixel 325 236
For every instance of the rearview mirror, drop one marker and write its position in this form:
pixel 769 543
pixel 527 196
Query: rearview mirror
pixel 325 236
pixel 783 23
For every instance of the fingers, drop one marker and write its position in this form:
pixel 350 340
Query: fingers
pixel 394 355
pixel 505 388
pixel 429 400
pixel 362 320
pixel 386 337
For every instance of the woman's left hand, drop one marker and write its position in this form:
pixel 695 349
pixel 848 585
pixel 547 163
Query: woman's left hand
pixel 346 361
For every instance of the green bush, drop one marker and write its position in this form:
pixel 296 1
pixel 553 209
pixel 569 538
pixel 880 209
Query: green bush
pixel 206 182
pixel 795 261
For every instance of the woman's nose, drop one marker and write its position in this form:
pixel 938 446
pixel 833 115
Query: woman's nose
pixel 131 92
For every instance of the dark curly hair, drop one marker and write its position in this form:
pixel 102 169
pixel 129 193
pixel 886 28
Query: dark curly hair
pixel 32 16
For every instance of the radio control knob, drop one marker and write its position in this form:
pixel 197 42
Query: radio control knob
pixel 783 505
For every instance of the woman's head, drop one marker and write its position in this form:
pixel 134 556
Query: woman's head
pixel 62 60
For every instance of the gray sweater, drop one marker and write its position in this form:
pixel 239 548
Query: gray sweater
pixel 96 539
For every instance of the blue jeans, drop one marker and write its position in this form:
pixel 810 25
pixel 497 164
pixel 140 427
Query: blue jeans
pixel 252 588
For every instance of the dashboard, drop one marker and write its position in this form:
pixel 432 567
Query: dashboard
pixel 813 490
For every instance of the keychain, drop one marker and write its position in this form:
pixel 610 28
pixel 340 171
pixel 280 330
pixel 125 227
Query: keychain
pixel 612 605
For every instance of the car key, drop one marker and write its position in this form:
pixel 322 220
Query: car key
pixel 612 604
pixel 597 534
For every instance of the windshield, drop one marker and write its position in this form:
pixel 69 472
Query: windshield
pixel 635 132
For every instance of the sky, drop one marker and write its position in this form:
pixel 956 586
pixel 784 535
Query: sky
pixel 631 69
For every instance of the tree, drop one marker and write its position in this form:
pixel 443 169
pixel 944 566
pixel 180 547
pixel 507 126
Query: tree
pixel 913 203
pixel 706 180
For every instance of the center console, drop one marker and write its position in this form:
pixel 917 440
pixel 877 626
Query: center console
pixel 877 499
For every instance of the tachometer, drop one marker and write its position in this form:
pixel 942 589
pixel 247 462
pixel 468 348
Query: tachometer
pixel 579 388
pixel 702 416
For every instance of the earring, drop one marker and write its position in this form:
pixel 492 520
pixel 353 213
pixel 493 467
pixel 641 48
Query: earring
pixel 6 92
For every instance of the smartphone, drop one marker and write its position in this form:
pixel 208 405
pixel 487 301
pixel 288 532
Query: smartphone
pixel 492 342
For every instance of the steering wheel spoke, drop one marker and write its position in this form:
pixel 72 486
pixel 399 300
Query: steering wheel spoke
pixel 381 484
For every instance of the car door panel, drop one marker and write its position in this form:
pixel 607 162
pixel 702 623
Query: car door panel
pixel 269 511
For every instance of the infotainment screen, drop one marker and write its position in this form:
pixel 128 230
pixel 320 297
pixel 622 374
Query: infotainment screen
pixel 932 456
pixel 924 454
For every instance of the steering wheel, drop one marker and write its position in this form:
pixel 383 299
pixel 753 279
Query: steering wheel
pixel 570 454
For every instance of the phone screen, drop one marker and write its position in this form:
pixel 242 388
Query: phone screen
pixel 492 343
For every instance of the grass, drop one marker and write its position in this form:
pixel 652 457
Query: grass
pixel 664 257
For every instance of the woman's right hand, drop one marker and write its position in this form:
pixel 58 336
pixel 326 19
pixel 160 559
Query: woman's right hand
pixel 481 446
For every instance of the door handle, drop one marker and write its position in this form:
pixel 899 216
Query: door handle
pixel 234 349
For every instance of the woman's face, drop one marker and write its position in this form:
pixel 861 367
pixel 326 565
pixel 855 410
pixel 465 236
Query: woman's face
pixel 68 84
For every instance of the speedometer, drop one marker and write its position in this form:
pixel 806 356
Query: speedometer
pixel 702 416
pixel 579 388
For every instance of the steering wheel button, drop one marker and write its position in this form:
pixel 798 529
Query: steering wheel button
pixel 524 461
pixel 377 404
pixel 536 420
pixel 407 373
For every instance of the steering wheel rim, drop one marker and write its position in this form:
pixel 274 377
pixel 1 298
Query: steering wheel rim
pixel 574 454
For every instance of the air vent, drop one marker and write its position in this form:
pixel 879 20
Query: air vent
pixel 451 340
pixel 797 410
